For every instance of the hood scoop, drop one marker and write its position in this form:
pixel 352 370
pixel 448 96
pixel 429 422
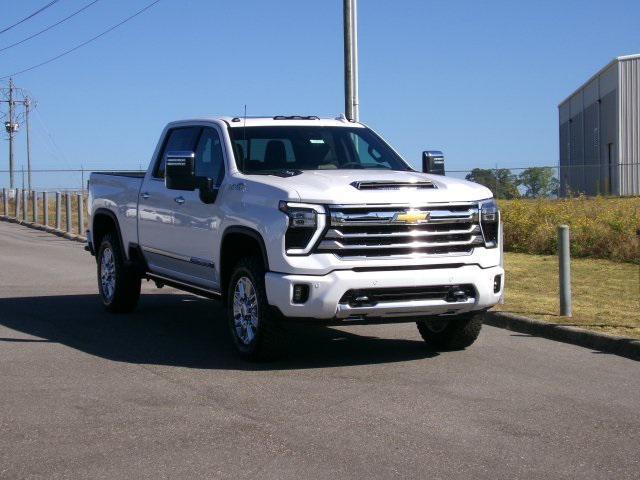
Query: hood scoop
pixel 391 185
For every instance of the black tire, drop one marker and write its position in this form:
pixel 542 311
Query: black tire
pixel 267 342
pixel 126 293
pixel 456 333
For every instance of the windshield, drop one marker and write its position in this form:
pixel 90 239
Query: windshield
pixel 264 150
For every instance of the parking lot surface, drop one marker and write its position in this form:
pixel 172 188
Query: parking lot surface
pixel 159 394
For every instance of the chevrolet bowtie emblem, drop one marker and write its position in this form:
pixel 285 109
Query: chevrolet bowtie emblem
pixel 411 217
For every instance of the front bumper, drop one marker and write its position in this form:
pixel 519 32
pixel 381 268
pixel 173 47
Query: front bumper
pixel 326 291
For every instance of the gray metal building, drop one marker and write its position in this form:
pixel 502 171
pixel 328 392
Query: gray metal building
pixel 600 132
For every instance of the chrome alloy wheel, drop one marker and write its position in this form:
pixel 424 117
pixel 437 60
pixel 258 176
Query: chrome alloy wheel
pixel 108 274
pixel 245 310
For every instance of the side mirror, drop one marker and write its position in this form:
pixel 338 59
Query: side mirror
pixel 433 162
pixel 179 171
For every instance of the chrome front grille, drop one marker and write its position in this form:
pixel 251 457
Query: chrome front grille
pixel 391 231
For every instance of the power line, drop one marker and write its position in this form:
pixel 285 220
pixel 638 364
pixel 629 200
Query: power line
pixel 48 28
pixel 66 52
pixel 29 16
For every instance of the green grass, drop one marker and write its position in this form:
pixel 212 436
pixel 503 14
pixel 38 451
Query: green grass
pixel 606 294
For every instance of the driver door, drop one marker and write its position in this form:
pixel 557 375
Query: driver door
pixel 196 222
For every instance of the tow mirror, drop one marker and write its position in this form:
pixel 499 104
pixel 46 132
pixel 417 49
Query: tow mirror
pixel 179 172
pixel 433 162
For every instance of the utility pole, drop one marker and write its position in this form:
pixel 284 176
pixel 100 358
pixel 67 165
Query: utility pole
pixel 11 130
pixel 27 104
pixel 350 23
pixel 12 125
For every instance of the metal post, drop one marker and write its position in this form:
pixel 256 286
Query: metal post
pixel 350 24
pixel 5 203
pixel 501 240
pixel 11 132
pixel 58 210
pixel 80 214
pixel 564 258
pixel 34 205
pixel 16 205
pixel 27 104
pixel 68 205
pixel 25 204
pixel 45 208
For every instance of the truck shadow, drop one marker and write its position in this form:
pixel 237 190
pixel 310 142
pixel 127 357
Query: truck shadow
pixel 187 331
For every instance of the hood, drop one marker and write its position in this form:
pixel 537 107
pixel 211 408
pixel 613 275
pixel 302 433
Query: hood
pixel 336 187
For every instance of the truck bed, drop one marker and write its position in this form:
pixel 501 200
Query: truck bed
pixel 124 173
pixel 118 193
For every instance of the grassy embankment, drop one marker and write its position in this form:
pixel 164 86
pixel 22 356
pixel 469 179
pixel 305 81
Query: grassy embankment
pixel 600 227
pixel 606 294
pixel 605 248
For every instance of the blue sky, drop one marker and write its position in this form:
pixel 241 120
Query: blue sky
pixel 479 80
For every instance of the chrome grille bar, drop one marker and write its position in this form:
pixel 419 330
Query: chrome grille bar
pixel 336 233
pixel 392 230
pixel 335 244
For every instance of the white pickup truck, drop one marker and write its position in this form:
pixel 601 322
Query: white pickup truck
pixel 303 218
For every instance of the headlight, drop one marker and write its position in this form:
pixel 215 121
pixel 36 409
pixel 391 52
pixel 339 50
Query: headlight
pixel 490 222
pixel 306 222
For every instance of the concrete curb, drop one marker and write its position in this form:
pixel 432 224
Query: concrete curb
pixel 37 226
pixel 624 347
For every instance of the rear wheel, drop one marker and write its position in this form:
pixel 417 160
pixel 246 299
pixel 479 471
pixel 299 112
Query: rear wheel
pixel 451 333
pixel 253 324
pixel 118 283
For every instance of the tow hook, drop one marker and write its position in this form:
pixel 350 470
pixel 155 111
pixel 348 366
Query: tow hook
pixel 456 294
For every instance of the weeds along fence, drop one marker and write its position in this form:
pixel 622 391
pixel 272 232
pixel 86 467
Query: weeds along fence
pixel 64 213
pixel 601 227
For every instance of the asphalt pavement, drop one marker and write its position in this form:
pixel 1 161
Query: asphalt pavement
pixel 159 394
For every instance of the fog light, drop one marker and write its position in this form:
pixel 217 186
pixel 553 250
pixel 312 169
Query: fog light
pixel 300 293
pixel 497 283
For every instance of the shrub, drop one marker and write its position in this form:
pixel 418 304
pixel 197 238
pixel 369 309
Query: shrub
pixel 601 227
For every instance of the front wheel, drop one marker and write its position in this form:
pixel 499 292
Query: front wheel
pixel 254 327
pixel 451 333
pixel 118 283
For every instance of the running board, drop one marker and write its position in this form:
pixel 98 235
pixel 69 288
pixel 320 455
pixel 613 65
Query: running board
pixel 186 287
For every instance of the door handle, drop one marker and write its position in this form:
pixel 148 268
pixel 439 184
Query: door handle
pixel 179 200
pixel 144 195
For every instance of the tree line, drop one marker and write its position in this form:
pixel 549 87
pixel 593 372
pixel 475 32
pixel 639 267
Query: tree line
pixel 533 182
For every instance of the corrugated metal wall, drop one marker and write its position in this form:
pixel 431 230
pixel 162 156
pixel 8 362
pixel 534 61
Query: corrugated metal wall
pixel 608 88
pixel 589 137
pixel 565 180
pixel 629 135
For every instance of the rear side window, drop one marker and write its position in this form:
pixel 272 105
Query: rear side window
pixel 178 139
pixel 209 160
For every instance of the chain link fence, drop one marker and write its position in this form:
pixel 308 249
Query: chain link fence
pixel 504 182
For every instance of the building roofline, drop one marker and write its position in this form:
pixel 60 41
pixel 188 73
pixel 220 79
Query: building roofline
pixel 598 73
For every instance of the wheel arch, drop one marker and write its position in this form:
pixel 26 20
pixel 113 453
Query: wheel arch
pixel 104 221
pixel 236 242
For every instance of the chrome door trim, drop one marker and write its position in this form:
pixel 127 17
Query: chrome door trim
pixel 164 253
pixel 195 260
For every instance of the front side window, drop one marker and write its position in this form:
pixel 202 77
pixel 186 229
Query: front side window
pixel 271 149
pixel 209 157
pixel 181 139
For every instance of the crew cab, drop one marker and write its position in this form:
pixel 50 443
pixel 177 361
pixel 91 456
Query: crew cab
pixel 298 218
